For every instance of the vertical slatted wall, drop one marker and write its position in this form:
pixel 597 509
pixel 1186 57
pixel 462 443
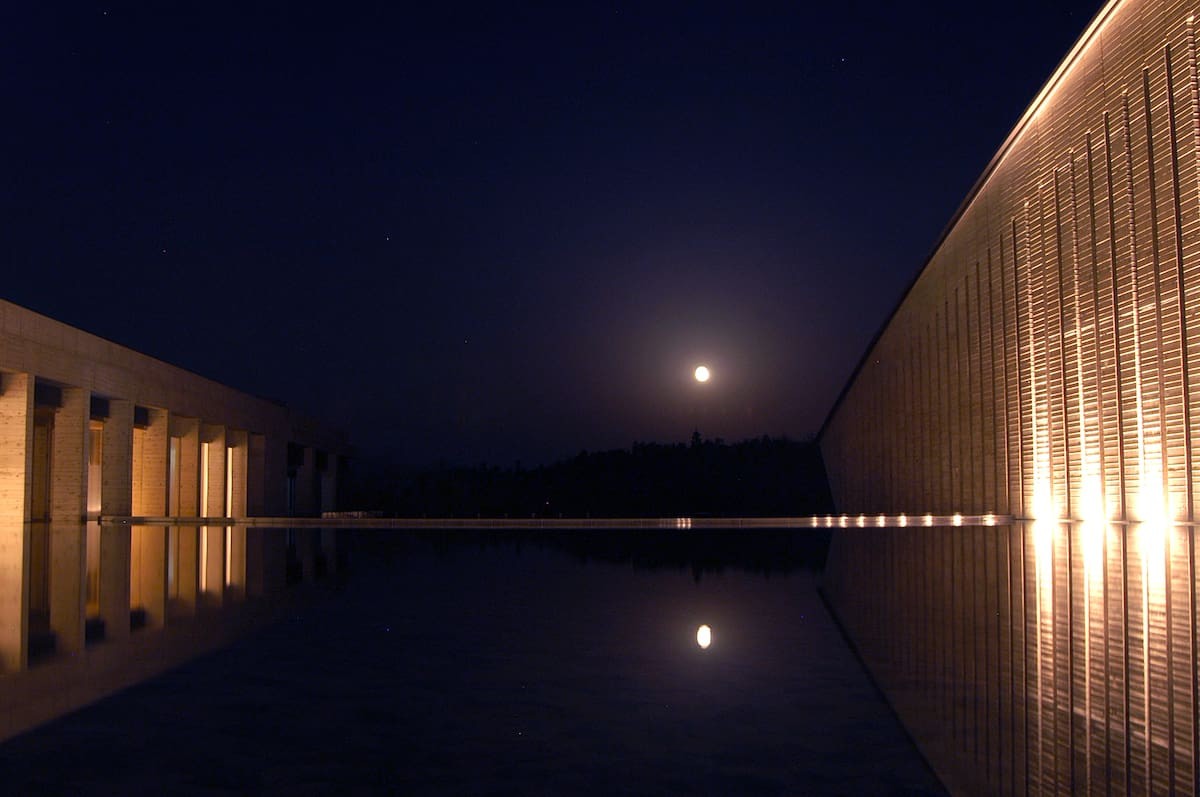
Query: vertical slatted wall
pixel 1041 367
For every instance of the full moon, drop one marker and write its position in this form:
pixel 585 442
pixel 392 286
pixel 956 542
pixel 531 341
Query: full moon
pixel 702 373
pixel 704 636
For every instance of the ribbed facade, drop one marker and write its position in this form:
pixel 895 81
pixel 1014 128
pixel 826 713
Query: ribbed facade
pixel 1040 367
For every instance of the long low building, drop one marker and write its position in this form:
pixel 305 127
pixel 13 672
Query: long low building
pixel 91 428
pixel 126 484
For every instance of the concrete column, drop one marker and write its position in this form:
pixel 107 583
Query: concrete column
pixel 69 457
pixel 14 592
pixel 236 542
pixel 275 476
pixel 68 584
pixel 151 453
pixel 236 442
pixel 148 573
pixel 188 432
pixel 256 475
pixel 329 483
pixel 305 481
pixel 114 580
pixel 116 465
pixel 187 570
pixel 212 547
pixel 16 445
pixel 214 437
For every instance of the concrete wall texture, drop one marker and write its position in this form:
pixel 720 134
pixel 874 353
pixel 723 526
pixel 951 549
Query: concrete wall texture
pixel 100 449
pixel 1041 366
pixel 38 351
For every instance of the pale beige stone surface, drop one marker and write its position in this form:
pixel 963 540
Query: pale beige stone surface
pixel 16 444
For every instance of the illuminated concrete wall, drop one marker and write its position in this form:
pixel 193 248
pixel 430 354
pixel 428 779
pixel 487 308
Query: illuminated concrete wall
pixel 101 448
pixel 140 403
pixel 1041 366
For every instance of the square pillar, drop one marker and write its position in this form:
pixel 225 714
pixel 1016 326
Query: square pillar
pixel 212 479
pixel 114 580
pixel 212 562
pixel 186 480
pixel 329 484
pixel 184 579
pixel 306 475
pixel 16 445
pixel 276 482
pixel 69 457
pixel 14 592
pixel 148 573
pixel 116 464
pixel 151 454
pixel 256 475
pixel 235 541
pixel 68 584
pixel 236 471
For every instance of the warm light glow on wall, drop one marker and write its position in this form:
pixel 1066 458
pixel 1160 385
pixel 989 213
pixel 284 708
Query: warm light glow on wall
pixel 204 479
pixel 1044 531
pixel 1154 513
pixel 1044 508
pixel 203 563
pixel 1092 534
pixel 1093 529
pixel 1043 368
pixel 229 481
pixel 1152 543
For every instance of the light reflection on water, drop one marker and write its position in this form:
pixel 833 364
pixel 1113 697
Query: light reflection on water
pixel 1046 656
pixel 446 668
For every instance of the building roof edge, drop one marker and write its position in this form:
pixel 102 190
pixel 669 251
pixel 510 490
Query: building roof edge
pixel 1056 77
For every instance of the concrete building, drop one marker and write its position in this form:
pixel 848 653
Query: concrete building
pixel 90 428
pixel 1043 365
pixel 127 492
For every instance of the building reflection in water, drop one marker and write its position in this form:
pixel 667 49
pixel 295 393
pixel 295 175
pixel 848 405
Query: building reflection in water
pixel 1043 657
pixel 88 608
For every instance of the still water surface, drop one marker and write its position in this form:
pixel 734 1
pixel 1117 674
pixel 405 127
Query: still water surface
pixel 456 668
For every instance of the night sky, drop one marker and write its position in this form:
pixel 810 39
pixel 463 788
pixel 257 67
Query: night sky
pixel 507 232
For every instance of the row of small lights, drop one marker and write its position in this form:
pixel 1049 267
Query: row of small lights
pixel 881 521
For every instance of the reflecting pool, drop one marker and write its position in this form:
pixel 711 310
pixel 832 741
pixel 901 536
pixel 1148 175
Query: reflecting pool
pixel 450 664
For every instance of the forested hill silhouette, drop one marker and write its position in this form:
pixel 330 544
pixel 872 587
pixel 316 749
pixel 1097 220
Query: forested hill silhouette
pixel 758 477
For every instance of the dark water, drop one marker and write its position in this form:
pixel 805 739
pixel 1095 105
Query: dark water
pixel 503 669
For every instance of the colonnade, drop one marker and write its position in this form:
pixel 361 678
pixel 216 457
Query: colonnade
pixel 117 516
